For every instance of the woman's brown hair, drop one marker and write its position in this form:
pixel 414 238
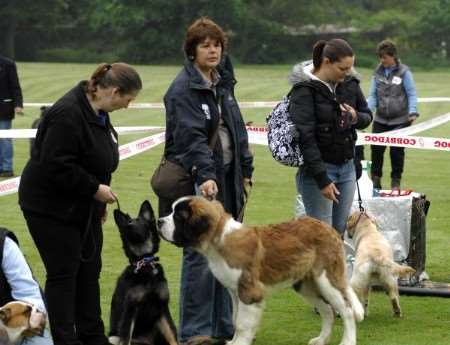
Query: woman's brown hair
pixel 387 47
pixel 198 32
pixel 335 50
pixel 119 74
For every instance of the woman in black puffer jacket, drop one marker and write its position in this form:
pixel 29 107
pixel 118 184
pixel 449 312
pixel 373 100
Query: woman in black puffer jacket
pixel 327 106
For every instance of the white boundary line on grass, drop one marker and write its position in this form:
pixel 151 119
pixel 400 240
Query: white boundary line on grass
pixel 256 104
pixel 422 126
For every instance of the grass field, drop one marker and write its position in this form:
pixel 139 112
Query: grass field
pixel 287 320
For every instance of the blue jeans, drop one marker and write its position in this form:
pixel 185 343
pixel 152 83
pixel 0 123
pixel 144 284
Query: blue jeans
pixel 319 207
pixel 6 148
pixel 205 305
pixel 46 339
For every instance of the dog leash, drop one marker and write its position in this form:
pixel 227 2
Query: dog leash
pixel 118 203
pixel 88 231
pixel 361 208
pixel 246 197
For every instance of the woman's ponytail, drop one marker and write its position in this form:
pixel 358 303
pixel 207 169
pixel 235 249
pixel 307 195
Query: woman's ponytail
pixel 120 75
pixel 318 53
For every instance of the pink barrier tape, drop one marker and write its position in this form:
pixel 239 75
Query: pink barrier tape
pixel 31 133
pixel 258 135
pixel 11 185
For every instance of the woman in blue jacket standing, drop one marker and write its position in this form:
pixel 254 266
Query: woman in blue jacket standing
pixel 327 106
pixel 206 135
pixel 63 194
pixel 393 96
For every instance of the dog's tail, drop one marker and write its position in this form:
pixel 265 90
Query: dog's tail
pixel 358 309
pixel 402 271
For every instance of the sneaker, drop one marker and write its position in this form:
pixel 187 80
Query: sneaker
pixel 6 173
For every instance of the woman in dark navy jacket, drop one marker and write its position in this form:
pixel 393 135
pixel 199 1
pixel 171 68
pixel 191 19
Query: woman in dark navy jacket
pixel 63 194
pixel 199 102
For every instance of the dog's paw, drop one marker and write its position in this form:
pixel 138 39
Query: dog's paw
pixel 397 314
pixel 317 341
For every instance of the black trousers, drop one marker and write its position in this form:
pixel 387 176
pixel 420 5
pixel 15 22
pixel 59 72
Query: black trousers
pixel 72 285
pixel 397 154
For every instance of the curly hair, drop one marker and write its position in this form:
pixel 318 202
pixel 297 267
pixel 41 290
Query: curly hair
pixel 387 47
pixel 201 29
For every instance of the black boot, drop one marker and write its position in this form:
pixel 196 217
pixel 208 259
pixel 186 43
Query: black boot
pixel 395 183
pixel 376 182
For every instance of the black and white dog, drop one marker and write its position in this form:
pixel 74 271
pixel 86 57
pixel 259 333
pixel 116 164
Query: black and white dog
pixel 140 304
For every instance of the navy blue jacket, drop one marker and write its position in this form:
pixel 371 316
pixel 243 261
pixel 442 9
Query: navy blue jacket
pixel 192 115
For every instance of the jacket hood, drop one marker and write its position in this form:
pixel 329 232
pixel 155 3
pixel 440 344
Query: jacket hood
pixel 302 72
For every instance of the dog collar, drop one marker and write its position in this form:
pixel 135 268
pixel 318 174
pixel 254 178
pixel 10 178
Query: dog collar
pixel 146 261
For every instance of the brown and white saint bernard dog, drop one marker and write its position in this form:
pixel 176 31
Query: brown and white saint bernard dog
pixel 20 319
pixel 252 261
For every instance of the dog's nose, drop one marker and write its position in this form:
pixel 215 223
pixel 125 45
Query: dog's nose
pixel 160 223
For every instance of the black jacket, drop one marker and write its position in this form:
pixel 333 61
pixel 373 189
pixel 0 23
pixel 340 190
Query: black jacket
pixel 192 115
pixel 73 153
pixel 316 113
pixel 10 92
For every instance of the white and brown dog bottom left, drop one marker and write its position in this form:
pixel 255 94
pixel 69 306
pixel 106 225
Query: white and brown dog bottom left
pixel 250 262
pixel 19 320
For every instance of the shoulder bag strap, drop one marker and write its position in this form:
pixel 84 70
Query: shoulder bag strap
pixel 214 136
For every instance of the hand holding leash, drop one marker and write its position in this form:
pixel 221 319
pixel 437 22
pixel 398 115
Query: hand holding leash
pixel 105 194
pixel 208 189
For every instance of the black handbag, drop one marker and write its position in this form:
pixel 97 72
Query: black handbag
pixel 171 181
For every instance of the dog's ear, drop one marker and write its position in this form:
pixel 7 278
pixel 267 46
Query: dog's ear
pixel 194 228
pixel 146 211
pixel 5 314
pixel 351 221
pixel 121 218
